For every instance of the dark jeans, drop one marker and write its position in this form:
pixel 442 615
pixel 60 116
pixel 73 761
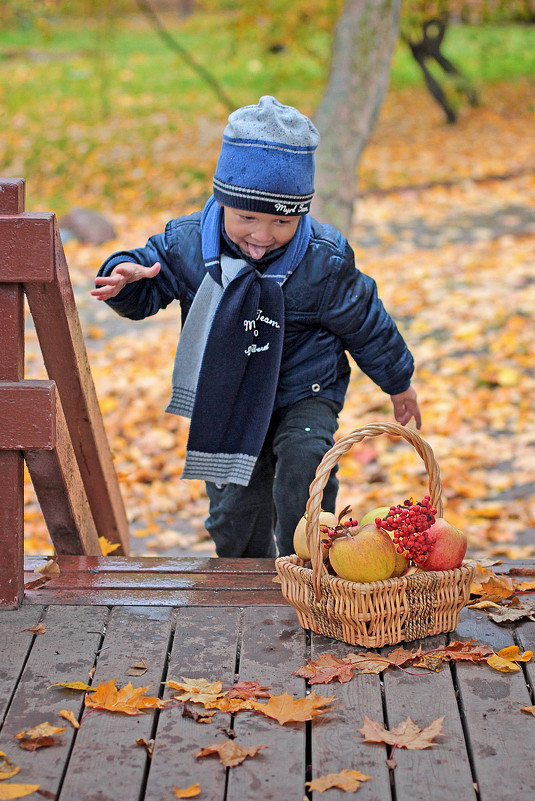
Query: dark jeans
pixel 248 521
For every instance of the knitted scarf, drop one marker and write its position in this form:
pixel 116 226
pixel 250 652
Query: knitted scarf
pixel 230 396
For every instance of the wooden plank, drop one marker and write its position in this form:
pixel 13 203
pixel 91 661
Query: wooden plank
pixel 27 247
pixel 336 741
pixel 502 739
pixel 12 195
pixel 424 698
pixel 15 645
pixel 160 581
pixel 273 645
pixel 60 335
pixel 205 646
pixel 65 652
pixel 155 564
pixel 11 464
pixel 154 597
pixel 106 763
pixel 28 414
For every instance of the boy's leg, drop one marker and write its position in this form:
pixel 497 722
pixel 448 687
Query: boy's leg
pixel 241 519
pixel 303 436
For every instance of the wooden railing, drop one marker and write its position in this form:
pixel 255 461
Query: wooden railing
pixel 54 425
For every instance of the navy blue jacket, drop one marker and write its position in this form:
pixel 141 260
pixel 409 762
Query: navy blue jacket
pixel 330 308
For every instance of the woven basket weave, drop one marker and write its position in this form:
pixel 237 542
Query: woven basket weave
pixel 380 612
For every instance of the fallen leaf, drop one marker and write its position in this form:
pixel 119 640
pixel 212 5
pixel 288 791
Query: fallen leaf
pixel 7 768
pixel 73 685
pixel 325 669
pixel 483 605
pixel 38 736
pixel 515 611
pixel 529 709
pixel 525 586
pixel 285 709
pixel 137 668
pixel 129 700
pixel 506 659
pixel 230 753
pixel 405 735
pixel 368 662
pixel 225 704
pixel 106 546
pixel 199 691
pixel 47 794
pixel 248 689
pixel 431 661
pixel 469 650
pixel 199 716
pixel 348 780
pixel 34 585
pixel 147 744
pixel 400 656
pixel 9 791
pixel 189 792
pixel 502 586
pixel 50 568
pixel 68 715
pixel 39 628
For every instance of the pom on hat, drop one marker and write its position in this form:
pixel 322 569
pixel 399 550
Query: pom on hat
pixel 267 160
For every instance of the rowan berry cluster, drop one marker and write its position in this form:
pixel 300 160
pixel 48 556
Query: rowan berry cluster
pixel 410 523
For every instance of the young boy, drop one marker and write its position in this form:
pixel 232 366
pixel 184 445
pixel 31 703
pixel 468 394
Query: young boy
pixel 271 300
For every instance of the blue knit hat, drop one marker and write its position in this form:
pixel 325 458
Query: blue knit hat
pixel 267 159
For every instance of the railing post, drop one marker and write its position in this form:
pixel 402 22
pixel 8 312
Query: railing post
pixel 11 462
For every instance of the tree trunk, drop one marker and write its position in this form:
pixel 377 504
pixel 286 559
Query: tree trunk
pixel 360 64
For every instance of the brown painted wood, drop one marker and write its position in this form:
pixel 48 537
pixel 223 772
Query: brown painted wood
pixel 27 247
pixel 337 743
pixel 205 646
pixel 424 698
pixel 272 646
pixel 11 464
pixel 28 414
pixel 12 195
pixel 106 763
pixel 156 564
pixel 15 645
pixel 65 652
pixel 66 361
pixel 501 737
pixel 164 582
pixel 231 597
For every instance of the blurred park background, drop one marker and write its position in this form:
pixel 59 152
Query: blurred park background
pixel 117 108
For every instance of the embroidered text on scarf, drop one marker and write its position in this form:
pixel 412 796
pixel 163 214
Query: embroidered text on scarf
pixel 229 388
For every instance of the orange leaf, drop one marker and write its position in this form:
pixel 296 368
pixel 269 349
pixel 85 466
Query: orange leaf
pixel 229 704
pixel 106 546
pixel 9 791
pixel 189 792
pixel 248 689
pixel 529 709
pixel 129 699
pixel 405 735
pixel 506 659
pixel 198 691
pixel 467 651
pixel 68 715
pixel 40 628
pixel 348 780
pixel 325 669
pixel 74 685
pixel 285 709
pixel 230 753
pixel 38 737
pixel 368 662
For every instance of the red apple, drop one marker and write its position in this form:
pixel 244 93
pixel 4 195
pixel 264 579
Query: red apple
pixel 449 548
pixel 368 554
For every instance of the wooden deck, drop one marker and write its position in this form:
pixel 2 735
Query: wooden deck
pixel 221 620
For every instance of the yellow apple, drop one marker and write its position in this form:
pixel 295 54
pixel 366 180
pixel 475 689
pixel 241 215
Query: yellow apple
pixel 370 517
pixel 368 554
pixel 300 539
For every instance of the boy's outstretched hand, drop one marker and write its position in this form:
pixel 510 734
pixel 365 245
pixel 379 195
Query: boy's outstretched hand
pixel 406 406
pixel 122 274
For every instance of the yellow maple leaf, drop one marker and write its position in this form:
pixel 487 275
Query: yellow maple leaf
pixel 38 736
pixel 188 792
pixel 68 715
pixel 229 752
pixel 7 768
pixel 198 691
pixel 285 709
pixel 9 791
pixel 506 659
pixel 129 700
pixel 405 735
pixel 106 546
pixel 73 685
pixel 348 780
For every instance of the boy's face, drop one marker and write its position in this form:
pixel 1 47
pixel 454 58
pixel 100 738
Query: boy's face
pixel 257 233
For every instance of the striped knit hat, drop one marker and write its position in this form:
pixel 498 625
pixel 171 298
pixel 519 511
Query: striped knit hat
pixel 267 160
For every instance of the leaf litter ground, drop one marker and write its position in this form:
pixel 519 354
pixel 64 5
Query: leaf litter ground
pixel 446 225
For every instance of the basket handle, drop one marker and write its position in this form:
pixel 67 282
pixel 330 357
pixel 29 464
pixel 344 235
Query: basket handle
pixel 333 456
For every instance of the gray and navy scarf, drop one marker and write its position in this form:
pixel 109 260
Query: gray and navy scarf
pixel 229 353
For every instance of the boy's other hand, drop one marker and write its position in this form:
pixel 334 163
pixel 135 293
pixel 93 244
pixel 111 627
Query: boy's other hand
pixel 122 274
pixel 406 406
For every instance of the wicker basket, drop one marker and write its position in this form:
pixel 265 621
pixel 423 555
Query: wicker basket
pixel 380 612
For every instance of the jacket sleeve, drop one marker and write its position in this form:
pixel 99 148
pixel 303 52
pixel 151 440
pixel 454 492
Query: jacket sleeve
pixel 148 295
pixel 352 310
